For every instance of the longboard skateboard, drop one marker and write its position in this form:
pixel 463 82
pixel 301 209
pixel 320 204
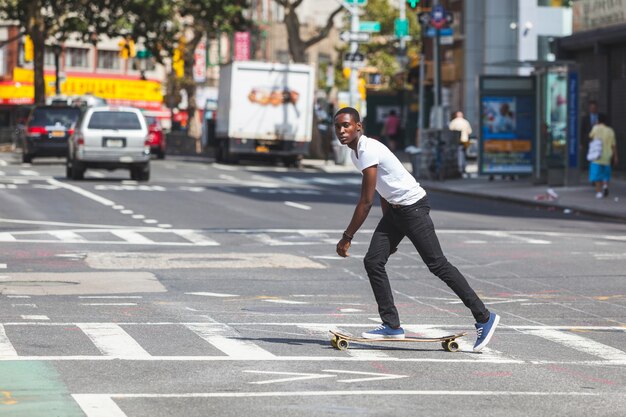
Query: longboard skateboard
pixel 342 341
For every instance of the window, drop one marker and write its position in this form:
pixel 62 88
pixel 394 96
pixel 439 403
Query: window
pixel 77 57
pixel 142 64
pixel 48 57
pixel 108 60
pixel 114 120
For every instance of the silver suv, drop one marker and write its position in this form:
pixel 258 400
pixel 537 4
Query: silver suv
pixel 110 137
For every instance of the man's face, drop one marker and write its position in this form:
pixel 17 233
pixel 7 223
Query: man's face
pixel 347 129
pixel 593 108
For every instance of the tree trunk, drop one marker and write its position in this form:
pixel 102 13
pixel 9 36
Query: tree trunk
pixel 37 31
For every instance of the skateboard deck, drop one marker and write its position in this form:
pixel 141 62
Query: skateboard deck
pixel 342 341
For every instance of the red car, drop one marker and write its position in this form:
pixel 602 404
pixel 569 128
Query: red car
pixel 156 137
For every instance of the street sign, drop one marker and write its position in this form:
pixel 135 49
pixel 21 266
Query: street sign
pixel 432 32
pixel 413 3
pixel 353 60
pixel 439 17
pixel 357 2
pixel 355 36
pixel 401 27
pixel 424 18
pixel 369 26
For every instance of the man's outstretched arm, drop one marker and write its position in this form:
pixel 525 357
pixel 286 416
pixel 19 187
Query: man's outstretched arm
pixel 362 209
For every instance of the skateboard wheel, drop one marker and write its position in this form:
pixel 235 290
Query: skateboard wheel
pixel 453 346
pixel 333 342
pixel 444 344
pixel 342 344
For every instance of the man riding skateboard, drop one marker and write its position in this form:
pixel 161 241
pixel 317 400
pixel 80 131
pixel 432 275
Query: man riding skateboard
pixel 405 213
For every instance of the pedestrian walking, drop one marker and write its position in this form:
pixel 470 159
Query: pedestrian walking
pixel 391 130
pixel 587 122
pixel 405 213
pixel 460 124
pixel 600 167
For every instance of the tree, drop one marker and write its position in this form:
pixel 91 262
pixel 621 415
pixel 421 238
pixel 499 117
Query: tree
pixel 200 19
pixel 297 51
pixel 42 19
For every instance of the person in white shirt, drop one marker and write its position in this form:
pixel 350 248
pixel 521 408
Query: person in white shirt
pixel 405 213
pixel 460 124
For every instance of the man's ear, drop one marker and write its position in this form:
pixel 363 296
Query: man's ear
pixel 359 126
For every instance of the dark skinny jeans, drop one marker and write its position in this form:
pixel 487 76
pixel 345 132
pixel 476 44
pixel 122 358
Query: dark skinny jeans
pixel 414 222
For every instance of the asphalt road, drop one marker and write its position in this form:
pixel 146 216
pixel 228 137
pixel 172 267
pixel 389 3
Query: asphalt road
pixel 210 290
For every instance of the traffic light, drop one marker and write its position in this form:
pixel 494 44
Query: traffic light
pixel 123 49
pixel 127 48
pixel 29 49
pixel 178 64
pixel 362 89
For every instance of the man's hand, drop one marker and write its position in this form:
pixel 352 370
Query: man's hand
pixel 342 248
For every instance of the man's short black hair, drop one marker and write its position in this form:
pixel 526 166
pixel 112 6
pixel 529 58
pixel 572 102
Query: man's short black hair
pixel 351 111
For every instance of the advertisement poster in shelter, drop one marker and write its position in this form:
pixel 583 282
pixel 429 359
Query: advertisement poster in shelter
pixel 507 131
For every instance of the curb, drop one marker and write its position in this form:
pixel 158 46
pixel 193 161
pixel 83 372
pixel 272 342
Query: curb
pixel 529 203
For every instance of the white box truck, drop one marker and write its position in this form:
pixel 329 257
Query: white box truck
pixel 264 109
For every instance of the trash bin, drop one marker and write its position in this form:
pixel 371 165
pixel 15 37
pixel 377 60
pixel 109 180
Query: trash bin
pixel 415 156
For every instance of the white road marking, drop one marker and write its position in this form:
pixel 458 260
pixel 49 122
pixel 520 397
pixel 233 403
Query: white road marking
pixel 164 225
pixel 113 341
pixel 373 376
pixel 6 348
pixel 109 296
pixel 212 294
pixel 132 237
pixel 127 211
pixel 28 173
pixel 108 304
pixel 195 237
pixel 35 317
pixel 581 344
pixel 82 192
pixel 3 266
pixel 294 376
pixel 7 237
pixel 96 405
pixel 138 216
pixel 229 341
pixel 67 236
pixel 297 205
pixel 150 221
pixel 281 301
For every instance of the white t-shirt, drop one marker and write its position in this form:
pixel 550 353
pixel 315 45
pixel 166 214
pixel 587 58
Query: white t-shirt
pixel 393 182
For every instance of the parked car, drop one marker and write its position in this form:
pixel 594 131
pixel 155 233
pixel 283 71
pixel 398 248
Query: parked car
pixel 46 131
pixel 156 137
pixel 110 138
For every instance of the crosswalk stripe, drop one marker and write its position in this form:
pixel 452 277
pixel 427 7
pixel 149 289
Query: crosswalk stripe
pixel 6 348
pixel 112 340
pixel 361 353
pixel 132 237
pixel 196 238
pixel 582 344
pixel 67 236
pixel 7 237
pixel 228 341
pixel 98 405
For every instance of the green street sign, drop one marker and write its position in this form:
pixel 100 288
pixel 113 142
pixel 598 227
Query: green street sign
pixel 357 2
pixel 413 3
pixel 369 26
pixel 402 28
pixel 143 54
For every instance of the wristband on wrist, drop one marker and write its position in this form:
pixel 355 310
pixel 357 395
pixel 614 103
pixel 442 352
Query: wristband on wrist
pixel 346 236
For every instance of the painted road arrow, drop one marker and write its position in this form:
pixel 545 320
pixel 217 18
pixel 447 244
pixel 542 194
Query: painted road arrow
pixel 295 376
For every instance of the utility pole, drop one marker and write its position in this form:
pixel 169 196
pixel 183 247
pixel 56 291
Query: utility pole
pixel 437 76
pixel 354 47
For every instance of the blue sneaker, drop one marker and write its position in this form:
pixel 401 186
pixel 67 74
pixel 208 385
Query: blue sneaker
pixel 484 331
pixel 384 332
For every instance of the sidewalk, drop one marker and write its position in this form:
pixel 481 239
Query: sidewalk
pixel 579 198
